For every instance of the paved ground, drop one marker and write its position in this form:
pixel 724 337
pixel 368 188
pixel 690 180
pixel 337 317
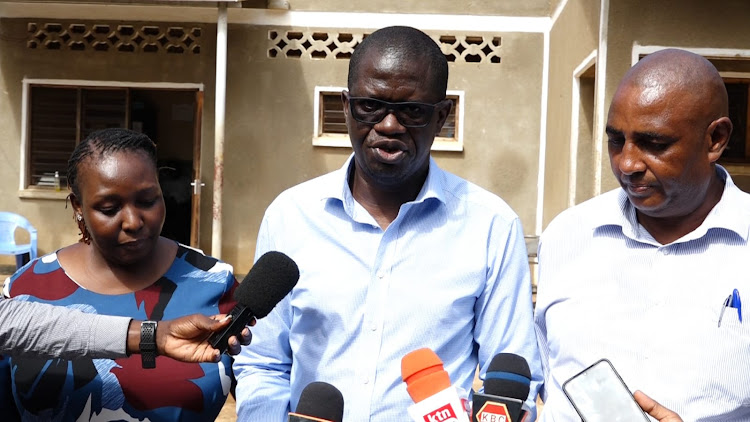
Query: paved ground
pixel 227 412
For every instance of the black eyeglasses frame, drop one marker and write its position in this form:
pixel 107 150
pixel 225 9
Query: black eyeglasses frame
pixel 393 108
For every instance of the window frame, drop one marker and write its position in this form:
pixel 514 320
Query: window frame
pixel 25 190
pixel 341 140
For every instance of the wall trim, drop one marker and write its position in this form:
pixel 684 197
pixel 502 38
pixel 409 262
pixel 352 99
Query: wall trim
pixel 269 17
pixel 574 123
pixel 599 95
pixel 542 137
pixel 120 84
pixel 733 53
pixel 558 11
pixel 426 22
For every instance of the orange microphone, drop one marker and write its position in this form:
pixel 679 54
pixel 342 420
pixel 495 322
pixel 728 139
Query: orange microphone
pixel 429 385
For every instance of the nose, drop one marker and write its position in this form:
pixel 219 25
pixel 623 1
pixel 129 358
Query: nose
pixel 131 219
pixel 629 159
pixel 390 124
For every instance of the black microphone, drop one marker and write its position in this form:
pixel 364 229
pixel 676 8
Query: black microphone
pixel 272 277
pixel 506 387
pixel 320 402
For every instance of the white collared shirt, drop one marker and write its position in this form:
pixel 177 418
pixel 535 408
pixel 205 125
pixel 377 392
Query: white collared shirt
pixel 607 289
pixel 449 273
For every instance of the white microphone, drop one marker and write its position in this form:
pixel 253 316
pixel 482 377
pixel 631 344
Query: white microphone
pixel 429 385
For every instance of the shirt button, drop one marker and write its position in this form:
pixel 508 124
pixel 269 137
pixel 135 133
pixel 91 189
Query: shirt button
pixel 665 251
pixel 381 275
pixel 374 327
pixel 367 380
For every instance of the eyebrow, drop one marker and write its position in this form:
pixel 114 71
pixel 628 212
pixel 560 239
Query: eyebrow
pixel 642 135
pixel 612 131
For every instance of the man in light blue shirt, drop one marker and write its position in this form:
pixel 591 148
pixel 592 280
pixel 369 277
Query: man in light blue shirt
pixel 394 253
pixel 642 275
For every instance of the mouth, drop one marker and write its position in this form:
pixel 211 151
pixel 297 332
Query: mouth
pixel 389 152
pixel 637 189
pixel 134 245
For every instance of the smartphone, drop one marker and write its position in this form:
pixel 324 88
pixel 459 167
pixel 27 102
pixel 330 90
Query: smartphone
pixel 599 395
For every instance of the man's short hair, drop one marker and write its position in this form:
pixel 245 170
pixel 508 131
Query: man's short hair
pixel 406 43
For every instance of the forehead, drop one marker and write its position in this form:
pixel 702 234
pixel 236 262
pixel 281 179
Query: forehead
pixel 650 106
pixel 119 169
pixel 390 75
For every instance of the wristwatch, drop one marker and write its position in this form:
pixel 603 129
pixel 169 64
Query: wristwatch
pixel 148 344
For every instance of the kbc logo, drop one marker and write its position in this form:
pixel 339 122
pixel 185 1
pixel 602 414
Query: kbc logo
pixel 493 412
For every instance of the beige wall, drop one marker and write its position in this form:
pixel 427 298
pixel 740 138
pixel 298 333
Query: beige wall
pixel 469 7
pixel 270 128
pixel 572 39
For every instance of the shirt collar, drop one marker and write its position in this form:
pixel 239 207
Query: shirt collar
pixel 433 187
pixel 728 213
pixel 731 211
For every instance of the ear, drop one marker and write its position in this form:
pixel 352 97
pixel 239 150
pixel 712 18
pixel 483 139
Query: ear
pixel 718 134
pixel 443 110
pixel 75 203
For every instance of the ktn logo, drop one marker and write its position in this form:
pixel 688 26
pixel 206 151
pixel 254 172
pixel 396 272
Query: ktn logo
pixel 442 414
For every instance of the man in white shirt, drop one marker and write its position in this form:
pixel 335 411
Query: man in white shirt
pixel 645 275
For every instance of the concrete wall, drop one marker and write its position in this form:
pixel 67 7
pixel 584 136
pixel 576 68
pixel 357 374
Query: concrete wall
pixel 270 128
pixel 574 36
pixel 468 7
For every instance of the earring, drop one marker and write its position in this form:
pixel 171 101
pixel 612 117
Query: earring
pixel 79 217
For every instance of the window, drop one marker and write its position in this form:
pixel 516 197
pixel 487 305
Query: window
pixel 738 149
pixel 736 156
pixel 60 116
pixel 330 126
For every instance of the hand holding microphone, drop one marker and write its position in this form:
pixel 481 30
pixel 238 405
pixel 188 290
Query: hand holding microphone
pixel 319 402
pixel 272 277
pixel 429 385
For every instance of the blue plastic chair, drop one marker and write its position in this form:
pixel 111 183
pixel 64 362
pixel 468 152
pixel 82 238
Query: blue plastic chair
pixel 9 222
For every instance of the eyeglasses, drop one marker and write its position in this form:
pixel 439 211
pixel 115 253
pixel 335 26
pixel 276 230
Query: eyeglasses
pixel 372 111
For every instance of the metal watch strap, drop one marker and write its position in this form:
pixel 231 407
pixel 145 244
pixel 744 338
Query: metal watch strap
pixel 148 344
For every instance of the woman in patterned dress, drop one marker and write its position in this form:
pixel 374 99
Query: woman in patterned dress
pixel 121 266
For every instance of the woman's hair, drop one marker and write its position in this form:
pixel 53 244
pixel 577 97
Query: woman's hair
pixel 104 142
pixel 97 145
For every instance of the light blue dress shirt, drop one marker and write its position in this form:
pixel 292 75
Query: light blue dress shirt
pixel 450 273
pixel 607 289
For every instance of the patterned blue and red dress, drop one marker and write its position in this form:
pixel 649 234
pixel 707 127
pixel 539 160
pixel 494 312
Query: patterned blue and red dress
pixel 120 389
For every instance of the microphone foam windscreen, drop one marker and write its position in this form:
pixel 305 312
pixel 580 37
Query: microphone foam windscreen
pixel 508 376
pixel 272 277
pixel 321 400
pixel 422 371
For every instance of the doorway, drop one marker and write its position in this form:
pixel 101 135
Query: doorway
pixel 171 118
